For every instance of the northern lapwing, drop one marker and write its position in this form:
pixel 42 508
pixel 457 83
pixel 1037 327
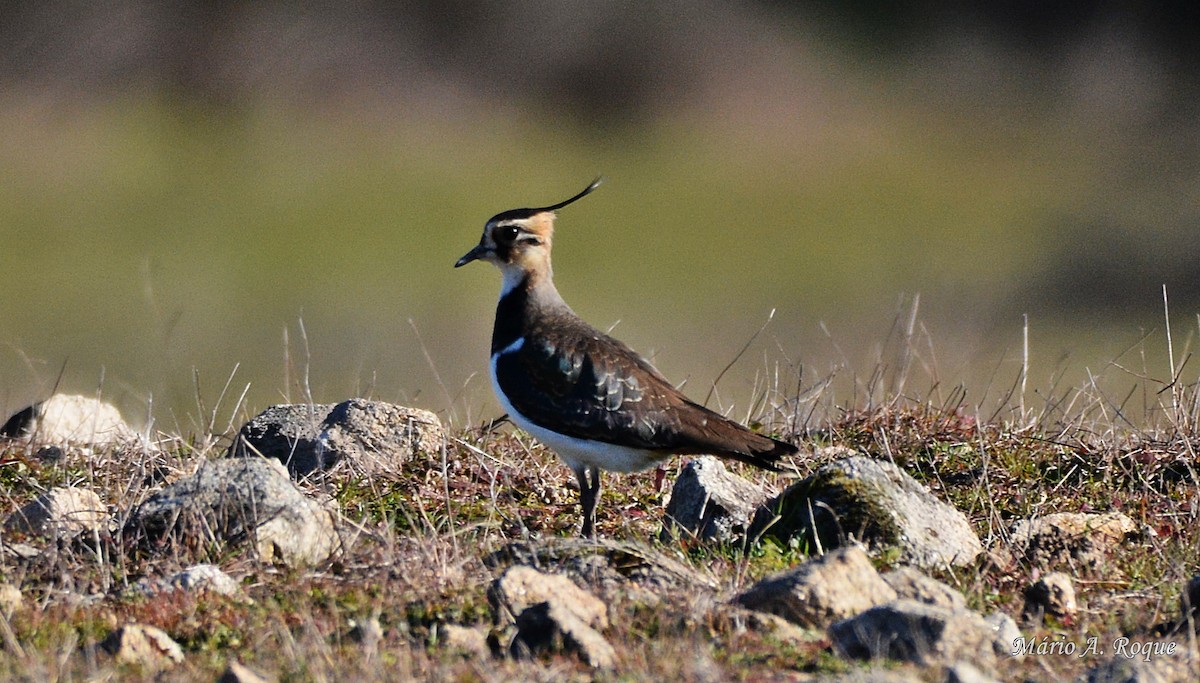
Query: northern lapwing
pixel 586 395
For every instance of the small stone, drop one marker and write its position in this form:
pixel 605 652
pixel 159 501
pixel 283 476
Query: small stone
pixel 965 672
pixel 553 627
pixel 237 672
pixel 10 600
pixel 1053 595
pixel 1004 630
pixel 873 502
pixel 915 632
pixel 65 419
pixel 522 587
pixel 467 640
pixel 145 646
pixel 835 586
pixel 914 584
pixel 64 510
pixel 711 503
pixel 1075 539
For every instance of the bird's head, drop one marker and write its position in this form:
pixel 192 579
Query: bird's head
pixel 518 241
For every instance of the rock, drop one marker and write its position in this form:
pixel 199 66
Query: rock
pixel 1075 539
pixel 468 640
pixel 520 588
pixel 288 433
pixel 200 578
pixel 838 585
pixel 554 627
pixel 551 614
pixel 876 503
pixel 710 503
pixel 376 437
pixel 965 672
pixel 615 570
pixel 370 437
pixel 911 631
pixel 241 499
pixel 1054 595
pixel 1004 630
pixel 145 646
pixel 10 600
pixel 69 420
pixel 912 584
pixel 239 673
pixel 61 511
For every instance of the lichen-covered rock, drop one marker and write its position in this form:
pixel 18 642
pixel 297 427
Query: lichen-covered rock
pixel 873 502
pixel 913 584
pixel 838 585
pixel 711 503
pixel 1078 540
pixel 240 500
pixel 912 631
pixel 61 511
pixel 367 437
pixel 611 569
pixel 70 420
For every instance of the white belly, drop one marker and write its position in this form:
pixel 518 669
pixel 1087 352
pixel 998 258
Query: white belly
pixel 576 452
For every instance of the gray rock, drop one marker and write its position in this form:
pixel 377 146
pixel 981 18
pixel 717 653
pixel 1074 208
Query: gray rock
pixel 916 632
pixel 1054 595
pixel 876 503
pixel 145 646
pixel 1079 540
pixel 200 578
pixel 237 672
pixel 551 614
pixel 615 570
pixel 61 511
pixel 369 437
pixel 241 500
pixel 838 585
pixel 710 503
pixel 553 627
pixel 965 672
pixel 913 584
pixel 288 433
pixel 1004 630
pixel 522 587
pixel 69 420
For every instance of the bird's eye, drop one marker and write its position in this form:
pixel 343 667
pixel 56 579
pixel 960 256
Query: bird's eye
pixel 509 232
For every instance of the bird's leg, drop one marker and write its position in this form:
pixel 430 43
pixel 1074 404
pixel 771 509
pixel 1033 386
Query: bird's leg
pixel 589 493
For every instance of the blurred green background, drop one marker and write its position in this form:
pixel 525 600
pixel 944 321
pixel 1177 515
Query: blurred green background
pixel 205 200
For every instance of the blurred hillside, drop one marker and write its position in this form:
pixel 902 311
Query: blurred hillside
pixel 271 194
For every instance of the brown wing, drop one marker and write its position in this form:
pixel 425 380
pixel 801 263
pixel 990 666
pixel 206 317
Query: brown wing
pixel 580 382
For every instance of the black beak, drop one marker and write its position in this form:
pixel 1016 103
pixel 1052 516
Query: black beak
pixel 475 254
